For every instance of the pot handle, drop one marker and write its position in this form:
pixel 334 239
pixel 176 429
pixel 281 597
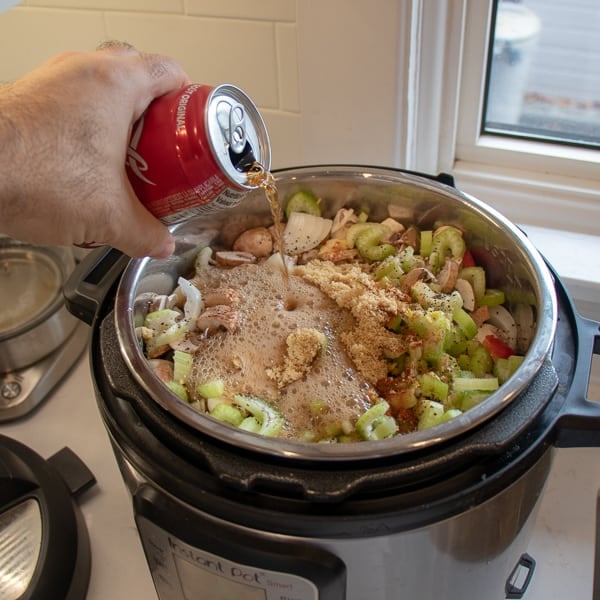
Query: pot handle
pixel 91 280
pixel 578 424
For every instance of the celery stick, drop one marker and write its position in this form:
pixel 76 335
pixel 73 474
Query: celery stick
pixel 270 419
pixel 211 389
pixel 227 413
pixel 178 389
pixel 483 384
pixel 182 366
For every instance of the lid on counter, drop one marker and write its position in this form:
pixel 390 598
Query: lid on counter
pixel 44 543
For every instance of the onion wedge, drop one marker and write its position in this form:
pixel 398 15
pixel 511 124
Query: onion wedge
pixel 304 232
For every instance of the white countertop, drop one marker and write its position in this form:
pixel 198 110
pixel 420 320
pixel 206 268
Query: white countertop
pixel 562 544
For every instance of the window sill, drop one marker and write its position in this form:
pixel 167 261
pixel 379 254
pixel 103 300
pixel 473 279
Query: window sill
pixel 576 259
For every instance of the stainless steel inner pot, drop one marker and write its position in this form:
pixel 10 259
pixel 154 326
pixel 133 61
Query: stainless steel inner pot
pixel 34 320
pixel 511 262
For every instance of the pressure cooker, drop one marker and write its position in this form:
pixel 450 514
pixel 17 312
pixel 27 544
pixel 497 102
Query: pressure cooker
pixel 440 513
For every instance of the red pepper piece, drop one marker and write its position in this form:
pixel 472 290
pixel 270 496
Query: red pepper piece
pixel 496 347
pixel 468 260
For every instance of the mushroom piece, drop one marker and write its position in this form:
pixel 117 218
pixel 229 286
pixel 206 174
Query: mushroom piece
pixel 418 274
pixel 256 241
pixel 229 258
pixel 447 277
pixel 218 317
pixel 222 295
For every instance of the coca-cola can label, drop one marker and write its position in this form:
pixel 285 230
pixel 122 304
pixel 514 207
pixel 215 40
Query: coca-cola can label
pixel 191 151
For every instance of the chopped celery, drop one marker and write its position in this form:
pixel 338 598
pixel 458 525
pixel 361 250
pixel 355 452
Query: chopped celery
pixel 227 414
pixel 270 419
pixel 430 413
pixel 175 333
pixel 492 297
pixel 482 384
pixel 505 367
pixel 425 243
pixel 211 389
pixel 303 201
pixel 446 241
pixel 481 362
pixel 433 386
pixel 369 242
pixel 389 268
pixel 161 320
pixel 374 424
pixel 182 366
pixel 465 322
pixel 427 298
pixel 250 424
pixel 354 231
pixel 476 277
pixel 178 389
pixel 470 398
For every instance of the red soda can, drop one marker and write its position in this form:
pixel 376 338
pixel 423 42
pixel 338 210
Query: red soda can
pixel 191 151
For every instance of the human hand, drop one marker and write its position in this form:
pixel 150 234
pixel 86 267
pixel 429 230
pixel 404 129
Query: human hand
pixel 64 132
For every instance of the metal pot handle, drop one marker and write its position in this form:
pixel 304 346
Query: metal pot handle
pixel 578 425
pixel 91 280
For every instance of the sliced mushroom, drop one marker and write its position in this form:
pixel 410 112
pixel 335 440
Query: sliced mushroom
pixel 418 274
pixel 217 296
pixel 465 289
pixel 394 226
pixel 343 218
pixel 256 241
pixel 447 277
pixel 410 238
pixel 162 368
pixel 229 258
pixel 218 317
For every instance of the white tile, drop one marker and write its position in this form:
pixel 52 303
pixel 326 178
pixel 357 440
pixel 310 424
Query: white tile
pixel 273 10
pixel 210 50
pixel 167 6
pixel 284 135
pixel 287 67
pixel 29 36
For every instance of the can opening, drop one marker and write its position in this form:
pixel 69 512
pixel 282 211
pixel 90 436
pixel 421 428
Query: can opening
pixel 243 160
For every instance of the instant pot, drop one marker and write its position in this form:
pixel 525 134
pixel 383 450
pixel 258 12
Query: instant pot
pixel 442 513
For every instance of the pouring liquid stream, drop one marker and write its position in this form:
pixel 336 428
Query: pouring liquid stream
pixel 258 176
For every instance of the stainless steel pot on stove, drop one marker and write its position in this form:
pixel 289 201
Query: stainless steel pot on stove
pixel 443 513
pixel 33 320
pixel 510 260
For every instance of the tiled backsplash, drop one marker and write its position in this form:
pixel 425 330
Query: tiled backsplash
pixel 249 44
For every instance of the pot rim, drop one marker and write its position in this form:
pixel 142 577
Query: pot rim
pixel 536 355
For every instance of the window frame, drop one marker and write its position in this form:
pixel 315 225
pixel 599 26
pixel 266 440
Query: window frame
pixel 539 183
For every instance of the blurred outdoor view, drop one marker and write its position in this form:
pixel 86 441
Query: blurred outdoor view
pixel 544 72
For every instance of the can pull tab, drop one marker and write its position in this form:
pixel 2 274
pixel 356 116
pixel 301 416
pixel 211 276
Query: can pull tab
pixel 232 120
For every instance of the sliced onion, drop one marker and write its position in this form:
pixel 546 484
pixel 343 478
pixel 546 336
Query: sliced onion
pixel 276 262
pixel 501 318
pixel 193 300
pixel 304 232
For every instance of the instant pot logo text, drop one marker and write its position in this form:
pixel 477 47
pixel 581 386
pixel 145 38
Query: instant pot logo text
pixel 213 563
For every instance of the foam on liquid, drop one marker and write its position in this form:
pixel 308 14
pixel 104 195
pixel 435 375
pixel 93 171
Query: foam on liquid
pixel 270 311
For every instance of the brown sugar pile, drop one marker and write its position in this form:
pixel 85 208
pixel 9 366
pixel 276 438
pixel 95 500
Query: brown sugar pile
pixel 369 343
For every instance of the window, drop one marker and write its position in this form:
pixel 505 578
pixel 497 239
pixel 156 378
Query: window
pixel 542 78
pixel 530 178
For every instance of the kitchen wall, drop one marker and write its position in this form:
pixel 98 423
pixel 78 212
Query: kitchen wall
pixel 323 74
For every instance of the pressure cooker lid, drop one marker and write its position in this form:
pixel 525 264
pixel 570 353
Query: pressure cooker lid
pixel 44 544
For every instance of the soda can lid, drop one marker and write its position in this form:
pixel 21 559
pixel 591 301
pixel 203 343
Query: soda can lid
pixel 237 133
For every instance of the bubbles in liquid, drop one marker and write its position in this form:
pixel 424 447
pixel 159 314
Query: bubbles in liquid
pixel 242 358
